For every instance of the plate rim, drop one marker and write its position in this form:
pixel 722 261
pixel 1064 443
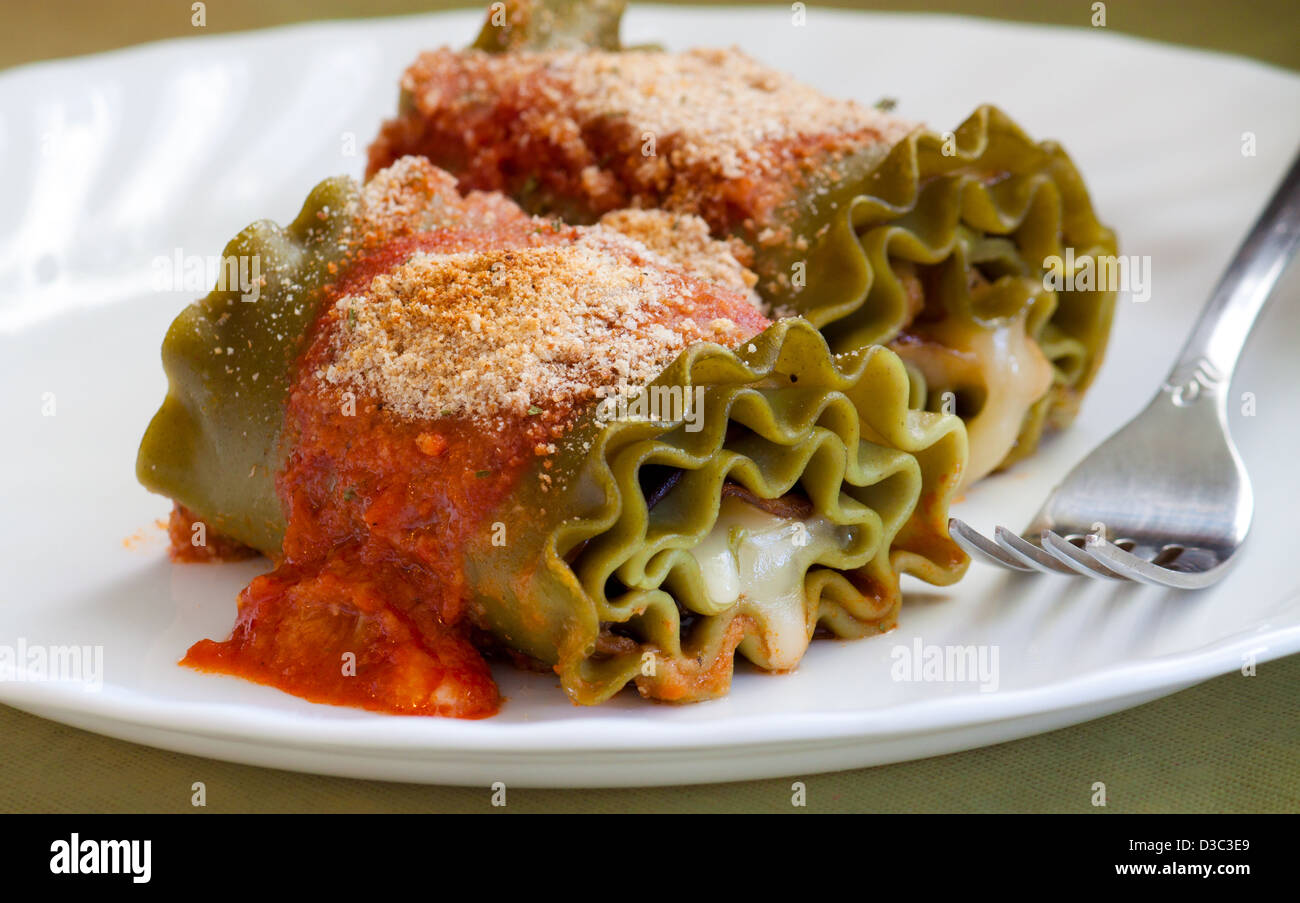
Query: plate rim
pixel 248 722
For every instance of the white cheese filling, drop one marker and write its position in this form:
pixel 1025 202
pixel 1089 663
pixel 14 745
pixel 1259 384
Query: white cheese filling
pixel 759 560
pixel 1009 365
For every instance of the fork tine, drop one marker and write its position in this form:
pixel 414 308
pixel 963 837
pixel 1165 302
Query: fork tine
pixel 1074 557
pixel 1029 554
pixel 977 545
pixel 1135 568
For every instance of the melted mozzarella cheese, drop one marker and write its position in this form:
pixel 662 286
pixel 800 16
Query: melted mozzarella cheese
pixel 1004 360
pixel 759 560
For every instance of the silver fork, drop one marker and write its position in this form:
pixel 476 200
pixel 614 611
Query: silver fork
pixel 1166 499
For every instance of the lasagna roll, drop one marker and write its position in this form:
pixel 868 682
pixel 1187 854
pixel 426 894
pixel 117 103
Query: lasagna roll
pixel 459 430
pixel 875 229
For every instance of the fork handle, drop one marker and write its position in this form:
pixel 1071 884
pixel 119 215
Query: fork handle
pixel 1212 350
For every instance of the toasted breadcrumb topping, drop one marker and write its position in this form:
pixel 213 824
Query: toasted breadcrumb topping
pixel 412 195
pixel 723 105
pixel 713 109
pixel 483 333
pixel 684 239
pixel 709 132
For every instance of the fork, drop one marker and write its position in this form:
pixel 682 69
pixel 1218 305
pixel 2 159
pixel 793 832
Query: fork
pixel 1166 499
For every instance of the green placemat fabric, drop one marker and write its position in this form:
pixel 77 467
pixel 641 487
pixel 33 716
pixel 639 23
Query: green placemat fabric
pixel 1229 745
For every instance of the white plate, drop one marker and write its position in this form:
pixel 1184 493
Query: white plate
pixel 113 160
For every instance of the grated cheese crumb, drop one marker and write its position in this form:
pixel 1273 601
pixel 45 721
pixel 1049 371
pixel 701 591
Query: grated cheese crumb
pixel 684 239
pixel 508 331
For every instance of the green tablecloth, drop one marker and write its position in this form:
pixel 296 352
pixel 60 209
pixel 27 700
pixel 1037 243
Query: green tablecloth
pixel 1229 745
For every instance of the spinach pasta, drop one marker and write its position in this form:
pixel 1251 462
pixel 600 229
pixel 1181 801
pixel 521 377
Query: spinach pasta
pixel 461 431
pixel 875 229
